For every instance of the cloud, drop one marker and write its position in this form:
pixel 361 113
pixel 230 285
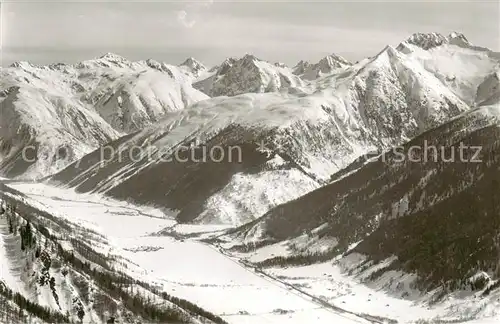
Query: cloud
pixel 182 17
pixel 195 9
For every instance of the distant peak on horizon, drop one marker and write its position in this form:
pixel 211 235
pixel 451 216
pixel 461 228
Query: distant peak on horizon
pixel 192 63
pixel 111 56
pixel 423 40
pixel 430 40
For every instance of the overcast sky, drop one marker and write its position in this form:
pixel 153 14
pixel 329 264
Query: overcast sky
pixel 70 31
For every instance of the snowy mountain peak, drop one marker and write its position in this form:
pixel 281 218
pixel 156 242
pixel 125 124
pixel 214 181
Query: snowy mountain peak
pixel 457 35
pixel 326 65
pixel 248 60
pixel 160 66
pixel 249 57
pixel 247 74
pixel 107 60
pixel 458 39
pixel 193 65
pixel 224 66
pixel 78 108
pixel 57 66
pixel 113 57
pixel 430 40
pixel 22 65
pixel 230 62
pixel 302 63
pixel 113 60
pixel 427 40
pixel 301 67
pixel 333 61
pixel 389 50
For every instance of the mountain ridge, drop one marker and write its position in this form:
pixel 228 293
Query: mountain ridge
pixel 306 190
pixel 370 106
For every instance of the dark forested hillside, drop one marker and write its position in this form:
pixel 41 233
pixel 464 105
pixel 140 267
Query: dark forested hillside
pixel 440 218
pixel 116 295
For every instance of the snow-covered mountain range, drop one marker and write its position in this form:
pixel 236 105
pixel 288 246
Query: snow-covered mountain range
pixel 305 178
pixel 65 111
pixel 95 101
pixel 370 106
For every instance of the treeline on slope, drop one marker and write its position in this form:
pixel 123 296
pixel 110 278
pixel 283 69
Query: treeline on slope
pixel 448 230
pixel 43 313
pixel 302 259
pixel 90 254
pixel 457 237
pixel 115 283
pixel 27 242
pixel 24 229
pixel 243 248
pixel 448 243
pixel 10 312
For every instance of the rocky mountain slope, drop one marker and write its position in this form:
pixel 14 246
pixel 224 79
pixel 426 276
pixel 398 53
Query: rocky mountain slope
pixel 60 112
pixel 471 72
pixel 370 106
pixel 425 218
pixel 112 96
pixel 41 132
pixel 327 65
pixel 251 74
pixel 248 74
pixel 309 165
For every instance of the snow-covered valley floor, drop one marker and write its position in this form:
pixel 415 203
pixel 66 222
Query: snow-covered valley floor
pixel 187 269
pixel 213 278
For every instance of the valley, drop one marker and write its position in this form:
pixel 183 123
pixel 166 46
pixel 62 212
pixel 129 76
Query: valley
pixel 226 287
pixel 329 214
pixel 189 264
